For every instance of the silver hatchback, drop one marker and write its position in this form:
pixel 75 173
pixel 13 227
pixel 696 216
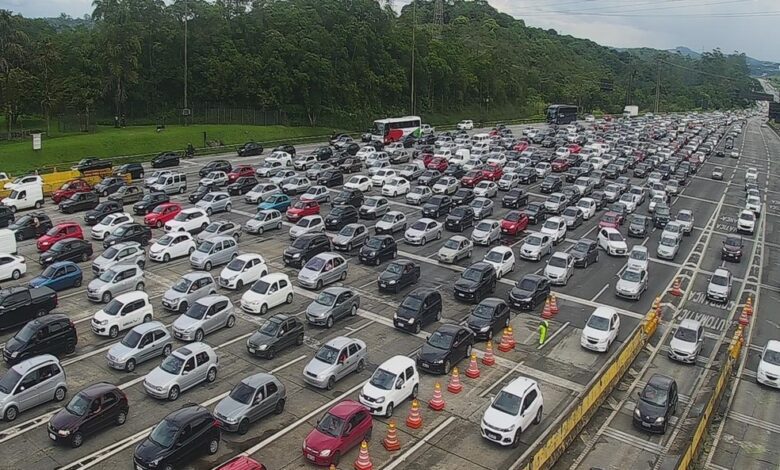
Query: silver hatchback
pixel 268 219
pixel 350 236
pixel 214 252
pixel 323 269
pixel 206 315
pixel 121 253
pixel 332 304
pixel 116 280
pixel 189 288
pixel 335 360
pixel 181 370
pixel 219 228
pixel 251 399
pixel 145 341
pixel 218 201
pixel 30 383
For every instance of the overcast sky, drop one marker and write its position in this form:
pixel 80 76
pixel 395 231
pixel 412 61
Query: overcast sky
pixel 743 25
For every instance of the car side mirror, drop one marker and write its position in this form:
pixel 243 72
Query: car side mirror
pixel 185 372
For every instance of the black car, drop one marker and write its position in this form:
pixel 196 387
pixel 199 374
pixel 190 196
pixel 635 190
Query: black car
pixel 456 171
pixel 572 194
pixel 109 185
pixel 79 202
pixel 639 226
pixel 446 346
pixel 437 206
pixel 201 191
pixel 572 174
pixel 489 317
pixel 323 153
pixel 476 282
pixel 657 404
pixel 536 212
pixel 7 216
pixel 527 175
pixel 215 165
pixel 611 172
pixel 68 249
pixel 340 216
pixel 94 216
pixel 242 185
pixel 96 407
pixel 250 149
pixel 331 177
pixel 166 160
pixel 135 170
pixel 127 195
pixel 530 291
pixel 49 334
pixel 304 248
pixel 642 170
pixel 515 198
pixel 288 148
pixel 429 178
pixel 551 184
pixel 129 233
pixel 463 197
pixel 88 164
pixel 732 248
pixel 600 199
pixel 178 439
pixel 460 218
pixel 149 202
pixel 30 226
pixel 585 252
pixel 419 308
pixel 661 215
pixel 350 165
pixel 398 275
pixel 377 249
pixel 349 197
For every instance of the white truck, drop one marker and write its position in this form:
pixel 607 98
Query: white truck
pixel 25 196
pixel 631 111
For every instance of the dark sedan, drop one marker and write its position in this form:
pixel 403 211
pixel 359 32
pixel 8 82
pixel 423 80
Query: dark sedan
pixel 242 185
pixel 488 318
pixel 536 212
pixel 447 346
pixel 129 233
pixel 94 216
pixel 437 206
pixel 215 165
pixel 166 160
pixel 529 292
pixel 69 249
pixel 585 252
pixel 463 197
pixel 250 149
pixel 398 275
pixel 657 404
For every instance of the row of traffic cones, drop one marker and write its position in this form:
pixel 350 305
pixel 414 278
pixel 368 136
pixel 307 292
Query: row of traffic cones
pixel 550 307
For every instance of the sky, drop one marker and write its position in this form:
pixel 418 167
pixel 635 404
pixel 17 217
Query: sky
pixel 748 26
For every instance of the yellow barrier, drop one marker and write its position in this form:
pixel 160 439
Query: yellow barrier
pixel 54 180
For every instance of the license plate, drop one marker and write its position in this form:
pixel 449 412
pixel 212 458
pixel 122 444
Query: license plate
pixel 461 294
pixel 424 365
pixel 310 457
pixel 252 350
pixel 52 436
pixel 382 284
pixel 647 425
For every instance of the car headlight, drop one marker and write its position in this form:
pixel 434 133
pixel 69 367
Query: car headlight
pixel 484 329
pixel 325 453
pixel 14 354
pixel 297 255
pixel 380 400
pixel 439 361
pixel 231 420
pixel 392 282
pixel 637 413
pixel 155 462
pixel 373 253
pixel 63 432
pixel 410 321
pixel 659 419
pixel 263 347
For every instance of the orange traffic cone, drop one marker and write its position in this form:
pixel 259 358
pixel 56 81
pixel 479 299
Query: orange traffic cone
pixel 510 337
pixel 414 420
pixel 505 345
pixel 363 461
pixel 455 386
pixel 547 312
pixel 473 371
pixel 743 318
pixel 333 467
pixel 748 308
pixel 554 304
pixel 437 403
pixel 488 359
pixel 676 290
pixel 391 442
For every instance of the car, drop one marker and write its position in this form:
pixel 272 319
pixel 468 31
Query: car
pixel 587 207
pixel 116 280
pixel 127 195
pixel 276 334
pixel 193 220
pixel 349 197
pixel 123 312
pixel 444 348
pixel 466 124
pixel 250 149
pixel 560 268
pixel 132 232
pixel 454 249
pixel 302 208
pixel 419 195
pixel 243 270
pixel 267 292
pixel 108 224
pixel 143 342
pixel 612 241
pixel 515 198
pixel 58 276
pixel 266 219
pixel 717 173
pixel 512 411
pixel 768 371
pixel 50 385
pixel 486 232
pixel 746 223
pixel 657 404
pixel 638 226
pixel 296 185
pixel 172 245
pixel 446 185
pixel 487 189
pixel 482 207
pixel 393 382
pixel 472 178
pixel 187 290
pixel 687 341
pixel 121 253
pixel 536 212
pixel 753 203
pixel 12 266
pixel 662 215
pixel 260 192
pixel 488 318
pixel 601 329
pixel 611 219
pixel 668 246
pixel 502 258
pixel 214 178
pixel 551 184
pixel 460 218
pixel 95 407
pixel 378 249
pixel 633 281
pixel 536 246
pixel 109 185
pixel 322 269
pixel 183 369
pixel 149 202
pixel 50 334
pixel 422 231
pixel 214 251
pixel 335 360
pixel 359 182
pixel 508 181
pixel 556 228
pixel 585 252
pixel 462 196
pixel 308 224
pixel 93 216
pixel 638 258
pixel 437 206
pixel 69 249
pixel 70 188
pixel 151 180
pixel 719 286
pixel 179 438
pixel 383 176
pixel 79 202
pixel 204 316
pixel 398 275
pixel 321 194
pixel 166 160
pixel 514 223
pixel 732 248
pixel 476 282
pixel 253 398
pixel 161 214
pixel 59 232
pixel 242 185
pixel 215 165
pixel 572 216
pixel 374 207
pixel 344 426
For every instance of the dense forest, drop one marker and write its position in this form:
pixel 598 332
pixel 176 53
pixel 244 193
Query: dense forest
pixel 333 62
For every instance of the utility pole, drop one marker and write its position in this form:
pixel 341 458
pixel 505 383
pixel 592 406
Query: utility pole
pixel 185 110
pixel 438 17
pixel 657 86
pixel 414 46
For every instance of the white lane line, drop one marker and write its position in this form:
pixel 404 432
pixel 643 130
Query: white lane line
pixel 402 458
pixel 501 379
pixel 598 294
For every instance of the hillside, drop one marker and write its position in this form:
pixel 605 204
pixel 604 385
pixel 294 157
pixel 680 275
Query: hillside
pixel 757 67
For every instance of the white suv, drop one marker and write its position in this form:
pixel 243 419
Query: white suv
pixel 124 312
pixel 601 329
pixel 512 411
pixel 392 382
pixel 188 220
pixel 768 372
pixel 109 223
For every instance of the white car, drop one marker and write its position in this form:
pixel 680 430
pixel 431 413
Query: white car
pixel 242 271
pixel 543 169
pixel 719 286
pixel 109 223
pixel 153 179
pixel 502 258
pixel 512 411
pixel 214 178
pixel 303 162
pixel 560 268
pixel 361 182
pixel 12 266
pixel 172 245
pixel 365 152
pixel 396 186
pixel 687 341
pixel 266 293
pixel 751 173
pixel 587 206
pixel 499 160
pixel 446 185
pixel 124 312
pixel 419 195
pixel 391 222
pixel 472 163
pixel 629 200
pixel 658 199
pixel 601 329
pixel 280 157
pixel 308 224
pixel 562 152
pixel 768 372
pixel 392 383
pixel 632 283
pixel 753 203
pixel 486 232
pixel 673 229
pixel 638 258
pixel 668 247
pixel 612 192
pixel 555 227
pixel 422 231
pixel 686 220
pixel 746 222
pixel 260 192
pixel 612 242
pixel 486 189
pixel 536 246
pixel 188 220
pixel 382 176
pixel 466 125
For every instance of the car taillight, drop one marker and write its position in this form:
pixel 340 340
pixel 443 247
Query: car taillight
pixel 215 424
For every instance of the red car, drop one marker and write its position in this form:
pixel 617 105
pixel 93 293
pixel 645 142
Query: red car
pixel 472 178
pixel 514 222
pixel 69 189
pixel 242 463
pixel 492 172
pixel 426 158
pixel 59 232
pixel 336 434
pixel 560 164
pixel 611 219
pixel 161 214
pixel 302 208
pixel 437 163
pixel 574 148
pixel 239 171
pixel 520 146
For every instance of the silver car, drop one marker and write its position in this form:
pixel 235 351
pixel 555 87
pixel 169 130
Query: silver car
pixel 373 207
pixel 320 194
pixel 251 399
pixel 482 206
pixel 296 185
pixel 267 219
pixel 260 192
pixel 350 236
pixel 422 231
pixel 115 280
pixel 335 360
pixel 332 304
pixel 486 232
pixel 214 252
pixel 145 341
pixel 391 222
pixel 219 228
pixel 316 169
pixel 323 269
pixel 448 185
pixel 217 201
pixel 419 195
pixel 411 171
pixel 308 224
pixel 47 377
pixel 181 370
pixel 206 315
pixel 455 248
pixel 188 289
pixel 149 181
pixel 121 253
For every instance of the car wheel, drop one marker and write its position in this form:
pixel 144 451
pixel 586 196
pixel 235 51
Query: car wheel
pixel 263 309
pixel 360 366
pixel 141 264
pixel 199 336
pixel 213 446
pixel 228 208
pixel 208 211
pixel 447 367
pixel 167 257
pixel 417 328
pixel 438 315
pixel 331 383
pixel 231 321
pixel 389 410
pixel 212 375
pixel 319 284
pixel 76 440
pixel 140 287
pixel 336 459
pixel 121 418
pixel 130 365
pixel 207 266
pixel 329 322
pixel 377 261
pixel 113 332
pixel 70 348
pixel 243 426
pixel 77 282
pixel 16 274
pixel 183 307
pixel 279 408
pixel 11 413
pixel 516 440
pixel 60 393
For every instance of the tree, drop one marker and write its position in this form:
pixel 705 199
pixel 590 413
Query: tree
pixel 13 52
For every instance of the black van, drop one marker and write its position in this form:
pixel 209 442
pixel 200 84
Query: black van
pixel 49 334
pixel 420 307
pixel 476 282
pixel 377 249
pixel 304 248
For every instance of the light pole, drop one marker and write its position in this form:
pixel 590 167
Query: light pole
pixel 185 110
pixel 414 27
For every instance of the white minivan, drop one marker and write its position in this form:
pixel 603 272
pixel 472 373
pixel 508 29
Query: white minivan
pixel 394 381
pixel 124 312
pixel 25 197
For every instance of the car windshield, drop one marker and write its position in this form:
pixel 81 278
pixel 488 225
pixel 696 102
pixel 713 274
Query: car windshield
pixel 260 287
pixel 327 354
pixel 598 322
pixel 326 298
pixel 374 243
pixel 107 276
pixel 419 225
pixel 78 405
pixel 615 237
pixel 197 311
pixel 639 255
pixel 733 242
pixel 48 273
pixel 507 403
pixel 685 334
pixel 472 274
pixel 495 256
pixel 662 210
pixel 172 364
pixel 631 275
pixel 270 327
pixel 315 264
pixel 181 217
pixel 370 202
pixel 165 240
pixel 9 381
pixel 484 226
pixel 347 231
pixel 483 311
pixel 205 247
pixel 534 241
pixel 557 262
pixel 513 216
pixel 113 307
pixel 382 379
pixel 533 208
pixel 164 434
pixel 654 395
pixel 182 285
pixel 668 241
pixel 242 393
pixel 440 340
pixel 720 280
pixel 772 357
pixel 131 339
pixel 747 216
pixel 330 425
pixel 581 247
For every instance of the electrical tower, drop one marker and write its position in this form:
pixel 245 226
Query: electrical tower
pixel 438 17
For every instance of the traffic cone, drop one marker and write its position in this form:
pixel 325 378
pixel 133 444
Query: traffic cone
pixel 488 359
pixel 437 403
pixel 363 461
pixel 391 442
pixel 554 304
pixel 473 371
pixel 454 386
pixel 506 344
pixel 657 304
pixel 748 308
pixel 510 337
pixel 414 420
pixel 547 312
pixel 333 467
pixel 743 318
pixel 676 290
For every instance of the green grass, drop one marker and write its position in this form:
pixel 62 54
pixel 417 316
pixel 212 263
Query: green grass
pixel 137 142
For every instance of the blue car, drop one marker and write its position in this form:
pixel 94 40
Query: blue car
pixel 59 276
pixel 279 202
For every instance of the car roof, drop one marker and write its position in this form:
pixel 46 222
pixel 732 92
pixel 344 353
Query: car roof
pixel 211 299
pixel 605 312
pixel 130 296
pixel 98 389
pixel 345 408
pixel 482 266
pixel 195 275
pixel 272 277
pixel 192 348
pixel 773 345
pixel 328 255
pixel 341 341
pixel 492 301
pixel 397 364
pixel 186 413
pixel 449 328
pixel 519 386
pixel 149 326
pixel 258 380
pixel 658 380
pixel 24 366
pixel 60 264
pixel 690 324
pixel 220 238
pixel 721 272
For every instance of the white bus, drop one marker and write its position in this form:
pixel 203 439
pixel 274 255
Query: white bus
pixel 394 129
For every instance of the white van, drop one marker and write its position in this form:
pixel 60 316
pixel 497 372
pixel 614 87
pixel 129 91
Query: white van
pixel 25 197
pixel 393 382
pixel 481 139
pixel 171 183
pixel 7 241
pixel 22 181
